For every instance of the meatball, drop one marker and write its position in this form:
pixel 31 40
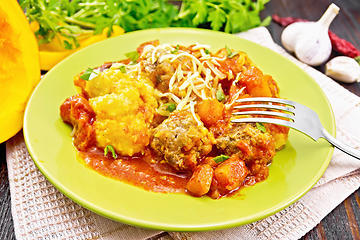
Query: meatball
pixel 247 142
pixel 160 73
pixel 181 141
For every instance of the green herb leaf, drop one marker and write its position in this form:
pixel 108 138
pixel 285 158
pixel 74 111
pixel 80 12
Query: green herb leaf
pixel 122 69
pixel 133 56
pixel 216 18
pixel 220 95
pixel 166 109
pixel 89 74
pixel 170 107
pixel 176 49
pixel 266 21
pixel 70 18
pixel 220 158
pixel 230 53
pixel 199 8
pixel 112 150
pixel 207 51
pixel 261 127
pixel 67 45
pixel 357 59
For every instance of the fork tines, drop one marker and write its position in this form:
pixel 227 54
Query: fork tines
pixel 267 110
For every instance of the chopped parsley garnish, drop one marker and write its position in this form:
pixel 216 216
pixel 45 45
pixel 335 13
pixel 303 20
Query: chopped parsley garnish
pixel 220 95
pixel 261 127
pixel 122 69
pixel 175 50
pixel 111 149
pixel 230 54
pixel 89 74
pixel 166 109
pixel 133 56
pixel 207 51
pixel 170 107
pixel 220 158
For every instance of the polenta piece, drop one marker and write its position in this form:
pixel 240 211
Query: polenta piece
pixel 124 108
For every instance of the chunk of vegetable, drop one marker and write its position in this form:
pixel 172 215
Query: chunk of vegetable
pixel 210 111
pixel 256 83
pixel 200 182
pixel 230 174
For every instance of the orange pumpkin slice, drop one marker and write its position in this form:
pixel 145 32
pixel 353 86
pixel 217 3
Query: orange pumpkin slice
pixel 19 67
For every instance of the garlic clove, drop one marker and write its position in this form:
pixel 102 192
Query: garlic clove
pixel 291 34
pixel 344 69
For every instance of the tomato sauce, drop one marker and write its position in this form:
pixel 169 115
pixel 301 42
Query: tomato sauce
pixel 141 171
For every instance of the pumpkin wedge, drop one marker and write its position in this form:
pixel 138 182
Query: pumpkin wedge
pixel 19 67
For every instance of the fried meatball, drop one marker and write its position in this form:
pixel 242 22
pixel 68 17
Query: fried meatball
pixel 181 141
pixel 247 142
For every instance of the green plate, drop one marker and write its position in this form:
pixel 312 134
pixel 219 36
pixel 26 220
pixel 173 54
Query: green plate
pixel 293 172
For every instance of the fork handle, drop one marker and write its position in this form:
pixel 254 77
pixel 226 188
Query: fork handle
pixel 343 147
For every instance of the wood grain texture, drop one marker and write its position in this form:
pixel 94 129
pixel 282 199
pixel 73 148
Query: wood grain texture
pixel 6 222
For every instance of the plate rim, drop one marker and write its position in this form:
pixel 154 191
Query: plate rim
pixel 140 223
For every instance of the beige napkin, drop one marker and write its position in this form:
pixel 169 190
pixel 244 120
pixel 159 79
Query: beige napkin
pixel 40 211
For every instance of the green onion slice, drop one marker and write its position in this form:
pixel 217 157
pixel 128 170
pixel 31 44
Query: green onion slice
pixel 261 127
pixel 230 53
pixel 176 49
pixel 220 158
pixel 220 95
pixel 122 69
pixel 166 109
pixel 111 149
pixel 133 56
pixel 89 74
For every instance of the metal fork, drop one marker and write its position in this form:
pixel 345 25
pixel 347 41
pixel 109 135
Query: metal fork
pixel 291 114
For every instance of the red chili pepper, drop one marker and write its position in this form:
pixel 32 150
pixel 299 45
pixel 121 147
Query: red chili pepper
pixel 340 45
pixel 285 21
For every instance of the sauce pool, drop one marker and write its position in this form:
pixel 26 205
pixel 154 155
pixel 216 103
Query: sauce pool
pixel 142 171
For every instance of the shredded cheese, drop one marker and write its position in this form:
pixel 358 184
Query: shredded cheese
pixel 195 77
pixel 228 105
pixel 192 109
pixel 200 46
pixel 216 71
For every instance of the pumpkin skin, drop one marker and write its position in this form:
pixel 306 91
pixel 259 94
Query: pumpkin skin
pixel 19 67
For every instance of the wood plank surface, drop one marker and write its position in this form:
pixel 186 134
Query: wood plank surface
pixel 6 222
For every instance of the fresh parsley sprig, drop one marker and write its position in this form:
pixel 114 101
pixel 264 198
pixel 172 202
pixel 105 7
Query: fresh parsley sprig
pixel 230 16
pixel 65 20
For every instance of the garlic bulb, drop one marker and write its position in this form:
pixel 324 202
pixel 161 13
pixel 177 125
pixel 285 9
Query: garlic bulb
pixel 310 40
pixel 291 33
pixel 344 69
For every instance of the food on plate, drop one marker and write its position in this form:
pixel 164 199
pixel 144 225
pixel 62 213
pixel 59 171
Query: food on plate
pixel 161 120
pixel 19 66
